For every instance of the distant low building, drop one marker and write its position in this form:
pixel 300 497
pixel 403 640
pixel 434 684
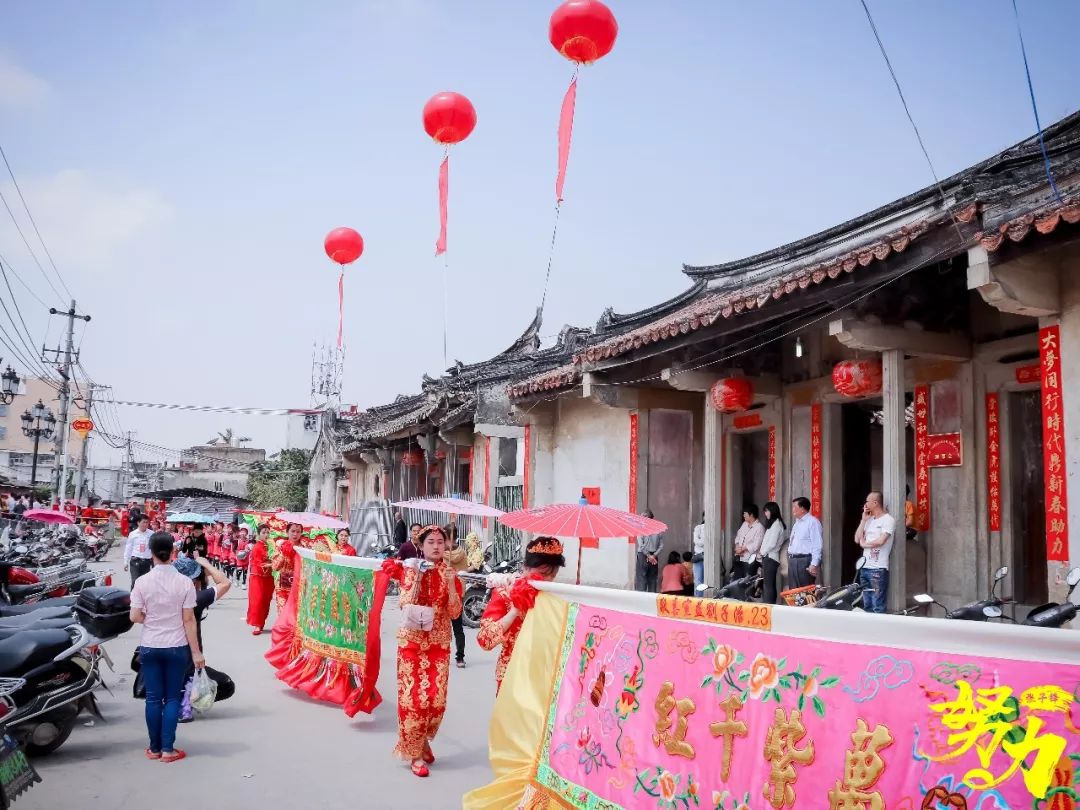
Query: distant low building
pixel 221 466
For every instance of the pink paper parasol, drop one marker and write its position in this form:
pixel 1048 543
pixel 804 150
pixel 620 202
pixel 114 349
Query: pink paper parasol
pixel 47 516
pixel 452 506
pixel 581 520
pixel 311 520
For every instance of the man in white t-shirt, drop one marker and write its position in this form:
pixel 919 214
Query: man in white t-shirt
pixel 875 535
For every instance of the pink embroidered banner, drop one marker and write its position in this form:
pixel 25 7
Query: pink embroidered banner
pixel 652 712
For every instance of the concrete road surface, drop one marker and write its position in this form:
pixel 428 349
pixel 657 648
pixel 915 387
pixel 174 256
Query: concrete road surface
pixel 268 746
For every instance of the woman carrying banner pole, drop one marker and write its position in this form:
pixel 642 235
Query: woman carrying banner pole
pixel 509 603
pixel 430 600
pixel 260 580
pixel 284 561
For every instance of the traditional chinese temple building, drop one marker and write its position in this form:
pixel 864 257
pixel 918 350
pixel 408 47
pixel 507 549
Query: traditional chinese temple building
pixel 924 345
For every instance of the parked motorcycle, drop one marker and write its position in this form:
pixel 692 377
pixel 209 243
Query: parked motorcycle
pixel 742 589
pixel 57 652
pixel 17 775
pixel 847 597
pixel 989 608
pixel 1054 614
pixel 477 593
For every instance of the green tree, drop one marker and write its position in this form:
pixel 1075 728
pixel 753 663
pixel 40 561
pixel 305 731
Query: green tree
pixel 282 480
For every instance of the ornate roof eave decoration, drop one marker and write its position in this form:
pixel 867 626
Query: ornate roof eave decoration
pixel 729 303
pixel 611 321
pixel 563 377
pixel 1044 222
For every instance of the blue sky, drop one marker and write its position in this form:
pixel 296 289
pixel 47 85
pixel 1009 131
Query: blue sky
pixel 185 160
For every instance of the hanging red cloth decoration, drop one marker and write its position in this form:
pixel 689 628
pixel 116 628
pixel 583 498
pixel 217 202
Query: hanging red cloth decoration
pixel 732 394
pixel 449 118
pixel 583 31
pixel 344 246
pixel 857 378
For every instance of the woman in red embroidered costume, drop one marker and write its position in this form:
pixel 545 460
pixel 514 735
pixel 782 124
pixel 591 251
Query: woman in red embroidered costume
pixel 509 603
pixel 260 580
pixel 430 599
pixel 341 544
pixel 285 560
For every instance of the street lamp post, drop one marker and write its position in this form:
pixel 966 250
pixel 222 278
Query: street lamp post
pixel 38 423
pixel 9 386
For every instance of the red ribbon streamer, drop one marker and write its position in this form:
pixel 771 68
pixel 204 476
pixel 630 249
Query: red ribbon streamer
pixel 444 192
pixel 566 127
pixel 340 305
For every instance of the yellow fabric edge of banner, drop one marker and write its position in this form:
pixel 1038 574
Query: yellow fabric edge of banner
pixel 517 726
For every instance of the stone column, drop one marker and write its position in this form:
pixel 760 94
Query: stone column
pixel 713 494
pixel 894 462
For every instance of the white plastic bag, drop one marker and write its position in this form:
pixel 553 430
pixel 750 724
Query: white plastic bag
pixel 203 691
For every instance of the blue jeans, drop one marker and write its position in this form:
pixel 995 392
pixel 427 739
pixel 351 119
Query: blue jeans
pixel 699 573
pixel 164 670
pixel 875 583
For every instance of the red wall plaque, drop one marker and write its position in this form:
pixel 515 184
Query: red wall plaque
pixel 815 460
pixel 1028 374
pixel 746 420
pixel 993 461
pixel 592 496
pixel 945 450
pixel 487 474
pixel 527 467
pixel 1056 497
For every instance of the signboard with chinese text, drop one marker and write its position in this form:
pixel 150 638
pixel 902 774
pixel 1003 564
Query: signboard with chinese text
pixel 945 450
pixel 993 460
pixel 922 458
pixel 715 611
pixel 1056 503
pixel 1028 374
pixel 648 712
pixel 815 460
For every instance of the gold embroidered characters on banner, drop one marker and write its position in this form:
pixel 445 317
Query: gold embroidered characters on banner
pixel 863 768
pixel 729 728
pixel 674 743
pixel 783 753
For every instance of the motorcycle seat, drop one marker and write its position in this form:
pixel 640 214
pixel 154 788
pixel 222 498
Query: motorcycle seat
pixel 25 651
pixel 21 592
pixel 18 610
pixel 45 614
pixel 7 631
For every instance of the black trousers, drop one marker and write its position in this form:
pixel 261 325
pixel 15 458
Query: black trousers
pixel 798 576
pixel 138 566
pixel 459 638
pixel 769 590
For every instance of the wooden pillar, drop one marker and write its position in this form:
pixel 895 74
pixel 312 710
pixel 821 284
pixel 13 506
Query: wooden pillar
pixel 713 493
pixel 894 473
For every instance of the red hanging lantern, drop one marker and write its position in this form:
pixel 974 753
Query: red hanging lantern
pixel 583 30
pixel 449 118
pixel 344 246
pixel 732 394
pixel 857 378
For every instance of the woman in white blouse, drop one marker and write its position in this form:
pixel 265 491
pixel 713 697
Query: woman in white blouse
pixel 775 534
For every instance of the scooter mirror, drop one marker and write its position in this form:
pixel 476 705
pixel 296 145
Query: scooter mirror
pixel 751 559
pixel 1073 577
pixel 702 588
pixel 20 549
pixel 1001 573
pixel 923 598
pixel 992 612
pixel 860 563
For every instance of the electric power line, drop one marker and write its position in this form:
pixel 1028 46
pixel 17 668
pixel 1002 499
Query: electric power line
pixel 30 216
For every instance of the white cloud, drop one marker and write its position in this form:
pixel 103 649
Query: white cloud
pixel 86 221
pixel 19 87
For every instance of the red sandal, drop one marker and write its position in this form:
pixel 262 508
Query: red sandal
pixel 420 769
pixel 428 755
pixel 176 756
pixel 257 631
pixel 153 754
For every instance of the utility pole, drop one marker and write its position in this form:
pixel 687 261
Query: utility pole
pixel 80 476
pixel 60 461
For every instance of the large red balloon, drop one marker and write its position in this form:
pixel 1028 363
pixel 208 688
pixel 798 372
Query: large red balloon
pixel 344 245
pixel 449 117
pixel 583 30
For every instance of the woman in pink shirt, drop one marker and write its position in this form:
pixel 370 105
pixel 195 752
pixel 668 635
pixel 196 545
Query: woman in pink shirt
pixel 163 602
